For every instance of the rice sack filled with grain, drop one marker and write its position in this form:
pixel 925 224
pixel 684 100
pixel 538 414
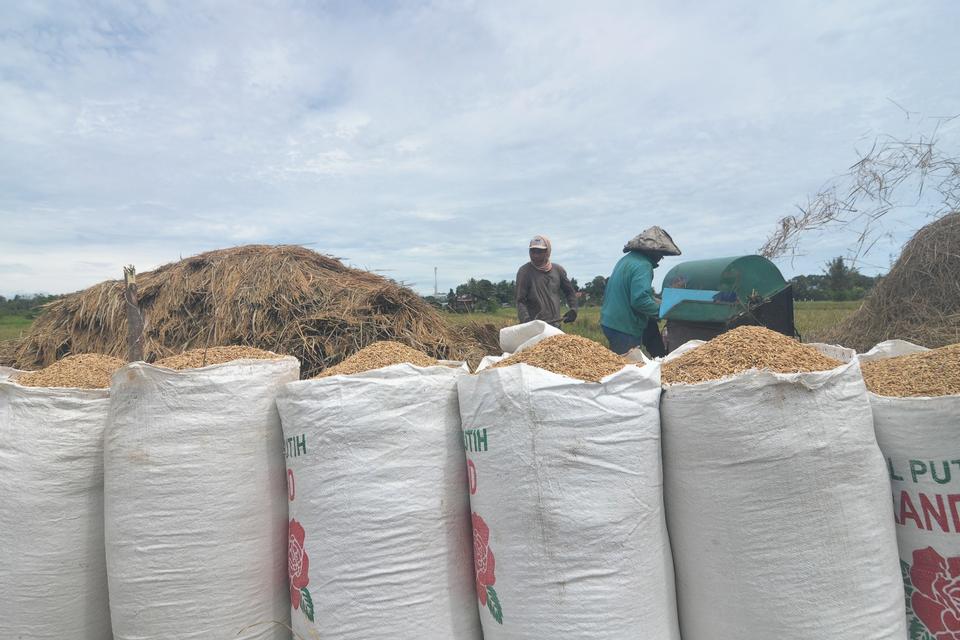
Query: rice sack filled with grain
pixel 915 394
pixel 777 497
pixel 53 575
pixel 379 531
pixel 563 457
pixel 195 498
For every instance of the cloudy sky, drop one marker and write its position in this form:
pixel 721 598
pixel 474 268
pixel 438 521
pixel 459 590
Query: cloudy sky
pixel 403 136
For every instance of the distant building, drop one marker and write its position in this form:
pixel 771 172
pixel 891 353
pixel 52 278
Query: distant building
pixel 464 303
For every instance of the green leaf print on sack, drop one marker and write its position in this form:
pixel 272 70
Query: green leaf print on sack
pixel 306 604
pixel 907 586
pixel 918 631
pixel 493 603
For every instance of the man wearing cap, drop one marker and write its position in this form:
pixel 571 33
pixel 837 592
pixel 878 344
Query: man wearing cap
pixel 630 310
pixel 540 284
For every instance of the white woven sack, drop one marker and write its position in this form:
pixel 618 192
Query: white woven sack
pixel 195 502
pixel 379 515
pixel 53 577
pixel 891 349
pixel 488 361
pixel 920 438
pixel 566 492
pixel 6 372
pixel 779 510
pixel 523 336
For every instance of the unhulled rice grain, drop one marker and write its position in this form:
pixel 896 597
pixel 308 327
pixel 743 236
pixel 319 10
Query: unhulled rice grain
pixel 742 349
pixel 81 371
pixel 925 374
pixel 376 356
pixel 569 355
pixel 196 358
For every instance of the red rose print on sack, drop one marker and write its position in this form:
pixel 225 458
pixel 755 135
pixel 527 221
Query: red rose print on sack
pixel 484 566
pixel 298 568
pixel 935 597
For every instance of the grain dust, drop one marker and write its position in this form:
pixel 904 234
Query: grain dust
pixel 569 355
pixel 927 374
pixel 196 358
pixel 376 356
pixel 81 371
pixel 742 349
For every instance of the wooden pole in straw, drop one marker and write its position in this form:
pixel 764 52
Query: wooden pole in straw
pixel 134 315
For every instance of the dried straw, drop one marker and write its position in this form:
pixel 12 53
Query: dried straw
pixel 379 355
pixel 196 358
pixel 571 356
pixel 928 374
pixel 740 350
pixel 486 335
pixel 919 300
pixel 8 352
pixel 83 371
pixel 285 299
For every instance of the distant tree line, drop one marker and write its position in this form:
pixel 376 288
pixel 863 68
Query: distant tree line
pixel 484 295
pixel 21 305
pixel 839 281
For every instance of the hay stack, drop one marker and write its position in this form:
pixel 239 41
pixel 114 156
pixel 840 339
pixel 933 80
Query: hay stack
pixel 285 299
pixel 8 352
pixel 918 301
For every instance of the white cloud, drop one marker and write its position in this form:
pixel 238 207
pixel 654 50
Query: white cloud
pixel 442 134
pixel 432 216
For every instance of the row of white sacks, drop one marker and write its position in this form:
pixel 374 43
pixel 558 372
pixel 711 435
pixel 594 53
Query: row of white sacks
pixel 169 492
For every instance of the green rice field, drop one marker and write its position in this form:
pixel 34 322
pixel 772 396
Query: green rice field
pixel 809 316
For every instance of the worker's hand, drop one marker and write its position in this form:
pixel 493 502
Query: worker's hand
pixel 570 316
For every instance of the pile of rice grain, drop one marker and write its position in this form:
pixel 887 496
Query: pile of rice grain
pixel 196 358
pixel 742 349
pixel 376 356
pixel 82 371
pixel 928 374
pixel 569 355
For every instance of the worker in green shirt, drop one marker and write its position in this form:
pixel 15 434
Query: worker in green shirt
pixel 630 309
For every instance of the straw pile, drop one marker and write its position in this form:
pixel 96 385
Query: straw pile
pixel 285 299
pixel 571 356
pixel 196 358
pixel 8 353
pixel 379 355
pixel 84 371
pixel 740 350
pixel 918 301
pixel 927 374
pixel 486 335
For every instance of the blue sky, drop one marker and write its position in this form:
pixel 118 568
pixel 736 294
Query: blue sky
pixel 404 136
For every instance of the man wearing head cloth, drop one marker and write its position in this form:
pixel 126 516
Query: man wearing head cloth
pixel 630 310
pixel 540 284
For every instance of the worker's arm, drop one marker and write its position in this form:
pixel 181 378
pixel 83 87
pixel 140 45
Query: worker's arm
pixel 523 286
pixel 570 294
pixel 568 291
pixel 642 300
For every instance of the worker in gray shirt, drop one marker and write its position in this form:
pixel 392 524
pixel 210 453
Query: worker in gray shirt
pixel 540 284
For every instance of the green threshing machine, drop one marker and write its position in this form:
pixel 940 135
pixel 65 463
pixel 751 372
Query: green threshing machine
pixel 704 298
